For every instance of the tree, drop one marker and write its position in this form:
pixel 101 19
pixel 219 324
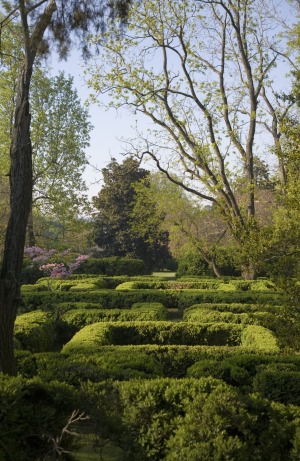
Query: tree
pixel 115 233
pixel 60 133
pixel 41 24
pixel 207 94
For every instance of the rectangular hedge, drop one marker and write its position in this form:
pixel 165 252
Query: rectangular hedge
pixel 124 299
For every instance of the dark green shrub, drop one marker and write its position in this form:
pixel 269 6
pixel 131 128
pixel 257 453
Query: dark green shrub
pixel 193 265
pixel 36 331
pixel 33 415
pixel 194 420
pixel 112 266
pixel 75 368
pixel 278 384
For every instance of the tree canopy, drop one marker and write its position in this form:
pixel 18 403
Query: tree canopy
pixel 210 96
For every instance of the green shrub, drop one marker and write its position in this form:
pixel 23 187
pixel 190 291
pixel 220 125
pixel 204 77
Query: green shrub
pixel 206 315
pixel 36 331
pixel 109 299
pixel 33 415
pixel 279 385
pixel 260 338
pixel 78 318
pixel 77 368
pixel 188 419
pixel 123 333
pixel 234 308
pixel 226 425
pixel 112 266
pixel 189 298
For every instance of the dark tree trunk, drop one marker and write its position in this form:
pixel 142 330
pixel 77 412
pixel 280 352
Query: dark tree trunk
pixel 20 203
pixel 20 190
pixel 30 230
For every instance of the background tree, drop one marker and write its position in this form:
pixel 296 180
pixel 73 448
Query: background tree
pixel 210 90
pixel 60 134
pixel 41 23
pixel 115 234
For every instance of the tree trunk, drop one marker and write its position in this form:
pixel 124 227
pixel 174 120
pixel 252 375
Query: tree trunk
pixel 30 230
pixel 248 271
pixel 20 203
pixel 20 189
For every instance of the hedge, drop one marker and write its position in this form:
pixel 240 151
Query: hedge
pixel 109 299
pixel 188 419
pixel 33 415
pixel 190 297
pixel 36 331
pixel 207 315
pixel 259 337
pixel 234 308
pixel 125 299
pixel 112 266
pixel 123 333
pixel 78 318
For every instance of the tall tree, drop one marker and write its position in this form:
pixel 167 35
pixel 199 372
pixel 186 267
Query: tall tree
pixel 115 233
pixel 60 133
pixel 41 24
pixel 207 94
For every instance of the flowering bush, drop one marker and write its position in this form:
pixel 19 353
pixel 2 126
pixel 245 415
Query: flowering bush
pixel 53 269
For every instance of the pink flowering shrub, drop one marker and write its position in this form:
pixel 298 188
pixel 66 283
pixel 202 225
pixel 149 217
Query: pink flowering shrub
pixel 53 269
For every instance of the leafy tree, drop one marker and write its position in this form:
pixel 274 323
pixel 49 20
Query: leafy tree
pixel 207 95
pixel 115 233
pixel 60 134
pixel 41 23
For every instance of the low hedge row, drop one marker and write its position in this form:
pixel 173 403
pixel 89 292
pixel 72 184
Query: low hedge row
pixel 125 299
pixel 35 331
pixel 78 318
pixel 250 371
pixel 209 284
pixel 234 308
pixel 207 316
pixel 124 333
pixel 112 266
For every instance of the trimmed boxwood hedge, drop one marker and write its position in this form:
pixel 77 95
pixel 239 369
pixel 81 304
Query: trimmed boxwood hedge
pixel 208 315
pixel 114 265
pixel 99 334
pixel 35 331
pixel 124 299
pixel 78 318
pixel 124 333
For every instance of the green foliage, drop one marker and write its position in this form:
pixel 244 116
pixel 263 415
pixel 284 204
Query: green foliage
pixel 99 334
pixel 113 265
pixel 114 233
pixel 278 383
pixel 78 318
pixel 33 415
pixel 194 419
pixel 208 315
pixel 228 425
pixel 36 331
pixel 260 338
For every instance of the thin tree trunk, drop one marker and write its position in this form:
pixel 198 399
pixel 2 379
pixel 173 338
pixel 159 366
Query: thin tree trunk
pixel 20 190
